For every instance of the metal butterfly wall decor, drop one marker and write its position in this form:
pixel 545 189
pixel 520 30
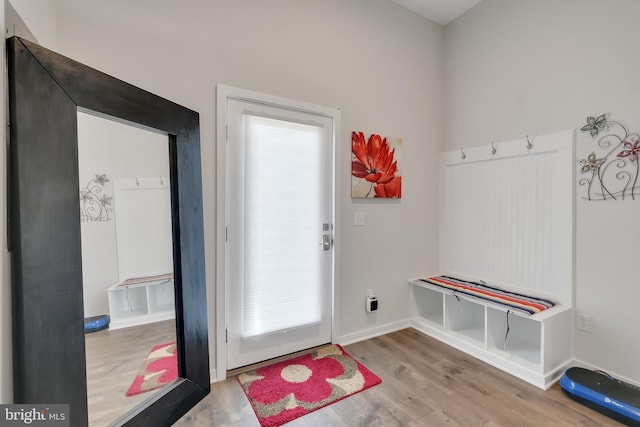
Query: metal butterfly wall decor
pixel 613 173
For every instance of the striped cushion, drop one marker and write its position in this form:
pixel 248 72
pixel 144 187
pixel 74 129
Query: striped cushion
pixel 514 301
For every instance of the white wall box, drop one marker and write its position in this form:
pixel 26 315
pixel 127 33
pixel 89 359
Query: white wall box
pixel 507 219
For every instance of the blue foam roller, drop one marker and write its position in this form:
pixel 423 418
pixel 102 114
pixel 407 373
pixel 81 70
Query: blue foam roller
pixel 96 323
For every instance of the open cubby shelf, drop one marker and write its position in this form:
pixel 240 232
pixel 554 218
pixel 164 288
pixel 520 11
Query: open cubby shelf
pixel 536 349
pixel 141 303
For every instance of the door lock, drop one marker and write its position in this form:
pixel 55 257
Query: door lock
pixel 326 242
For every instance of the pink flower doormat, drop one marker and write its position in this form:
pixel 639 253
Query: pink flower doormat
pixel 159 369
pixel 284 391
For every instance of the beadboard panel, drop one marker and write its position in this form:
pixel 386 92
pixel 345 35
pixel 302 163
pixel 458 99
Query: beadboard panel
pixel 507 216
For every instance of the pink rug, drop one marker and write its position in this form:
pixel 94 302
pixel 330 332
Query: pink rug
pixel 284 391
pixel 159 369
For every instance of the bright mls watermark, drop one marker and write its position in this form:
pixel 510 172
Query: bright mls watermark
pixel 34 415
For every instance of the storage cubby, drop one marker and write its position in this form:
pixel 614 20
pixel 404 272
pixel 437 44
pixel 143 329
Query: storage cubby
pixel 428 304
pixel 128 302
pixel 161 297
pixel 522 342
pixel 140 303
pixel 537 348
pixel 465 318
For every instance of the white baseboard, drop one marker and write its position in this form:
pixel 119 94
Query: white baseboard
pixel 213 376
pixel 373 332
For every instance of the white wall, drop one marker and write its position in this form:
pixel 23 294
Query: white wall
pixel 40 17
pixel 377 62
pixel 518 67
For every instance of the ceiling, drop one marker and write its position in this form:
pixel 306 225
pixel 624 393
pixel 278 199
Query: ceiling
pixel 440 11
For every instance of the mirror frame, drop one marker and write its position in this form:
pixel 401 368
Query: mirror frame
pixel 45 92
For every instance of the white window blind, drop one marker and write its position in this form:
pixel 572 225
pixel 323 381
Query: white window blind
pixel 282 225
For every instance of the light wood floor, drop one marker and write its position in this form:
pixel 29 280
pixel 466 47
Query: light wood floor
pixel 424 383
pixel 113 361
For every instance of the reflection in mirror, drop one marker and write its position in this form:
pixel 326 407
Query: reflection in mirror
pixel 127 263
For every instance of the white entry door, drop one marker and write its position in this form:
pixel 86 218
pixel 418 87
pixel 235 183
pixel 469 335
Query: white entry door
pixel 279 230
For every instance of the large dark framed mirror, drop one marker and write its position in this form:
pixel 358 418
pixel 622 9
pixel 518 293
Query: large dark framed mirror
pixel 46 91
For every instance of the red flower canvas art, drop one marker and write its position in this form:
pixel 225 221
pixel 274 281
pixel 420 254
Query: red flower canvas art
pixel 374 166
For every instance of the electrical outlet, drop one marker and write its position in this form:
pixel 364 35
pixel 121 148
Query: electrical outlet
pixel 583 322
pixel 372 304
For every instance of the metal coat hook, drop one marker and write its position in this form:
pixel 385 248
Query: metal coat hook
pixel 529 144
pixel 137 182
pixel 161 182
pixel 462 155
pixel 493 149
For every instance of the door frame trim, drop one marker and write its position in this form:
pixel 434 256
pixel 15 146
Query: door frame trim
pixel 223 93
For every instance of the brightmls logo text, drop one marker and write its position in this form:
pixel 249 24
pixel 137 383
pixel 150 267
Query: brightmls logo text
pixel 34 415
pixel 27 416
